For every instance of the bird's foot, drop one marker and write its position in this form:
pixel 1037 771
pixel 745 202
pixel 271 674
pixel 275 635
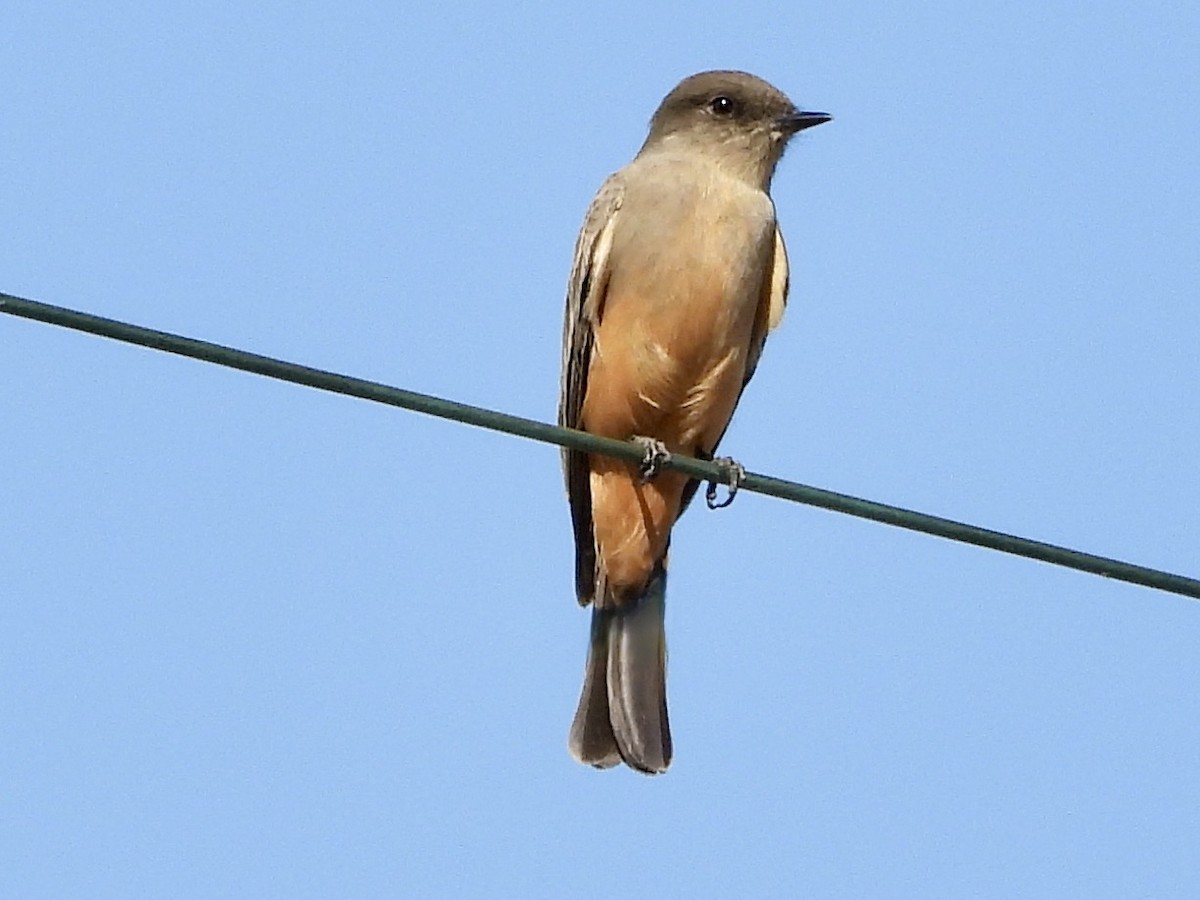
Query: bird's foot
pixel 733 474
pixel 654 456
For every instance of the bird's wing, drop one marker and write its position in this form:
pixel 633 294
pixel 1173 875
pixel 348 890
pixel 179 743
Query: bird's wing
pixel 772 307
pixel 770 312
pixel 585 303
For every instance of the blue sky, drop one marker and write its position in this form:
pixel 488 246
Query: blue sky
pixel 260 641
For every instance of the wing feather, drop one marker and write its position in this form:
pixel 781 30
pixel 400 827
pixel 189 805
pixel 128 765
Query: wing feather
pixel 585 304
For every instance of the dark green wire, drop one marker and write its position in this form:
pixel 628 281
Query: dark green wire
pixel 579 440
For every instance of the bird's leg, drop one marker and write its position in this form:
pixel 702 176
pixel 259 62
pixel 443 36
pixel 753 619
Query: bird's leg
pixel 654 456
pixel 733 474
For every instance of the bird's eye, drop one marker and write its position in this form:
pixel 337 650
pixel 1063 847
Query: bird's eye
pixel 722 106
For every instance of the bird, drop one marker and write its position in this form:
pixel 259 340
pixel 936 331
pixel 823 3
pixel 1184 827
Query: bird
pixel 679 273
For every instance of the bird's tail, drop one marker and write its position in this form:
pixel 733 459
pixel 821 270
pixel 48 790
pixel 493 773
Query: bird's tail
pixel 622 711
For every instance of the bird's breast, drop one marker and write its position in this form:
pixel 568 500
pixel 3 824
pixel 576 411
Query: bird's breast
pixel 686 273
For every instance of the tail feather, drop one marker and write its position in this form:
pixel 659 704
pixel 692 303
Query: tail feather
pixel 637 680
pixel 592 740
pixel 622 712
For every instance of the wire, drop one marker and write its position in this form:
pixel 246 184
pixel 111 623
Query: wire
pixel 589 443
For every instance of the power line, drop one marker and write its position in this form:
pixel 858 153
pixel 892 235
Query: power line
pixel 589 443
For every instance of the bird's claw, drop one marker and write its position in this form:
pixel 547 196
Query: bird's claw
pixel 655 455
pixel 734 473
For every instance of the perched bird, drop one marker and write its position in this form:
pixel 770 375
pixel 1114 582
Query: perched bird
pixel 679 273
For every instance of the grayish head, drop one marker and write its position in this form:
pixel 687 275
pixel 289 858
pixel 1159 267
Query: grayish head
pixel 739 122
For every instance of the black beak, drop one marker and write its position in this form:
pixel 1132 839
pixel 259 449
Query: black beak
pixel 798 121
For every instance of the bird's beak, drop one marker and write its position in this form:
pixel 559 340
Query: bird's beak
pixel 798 121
